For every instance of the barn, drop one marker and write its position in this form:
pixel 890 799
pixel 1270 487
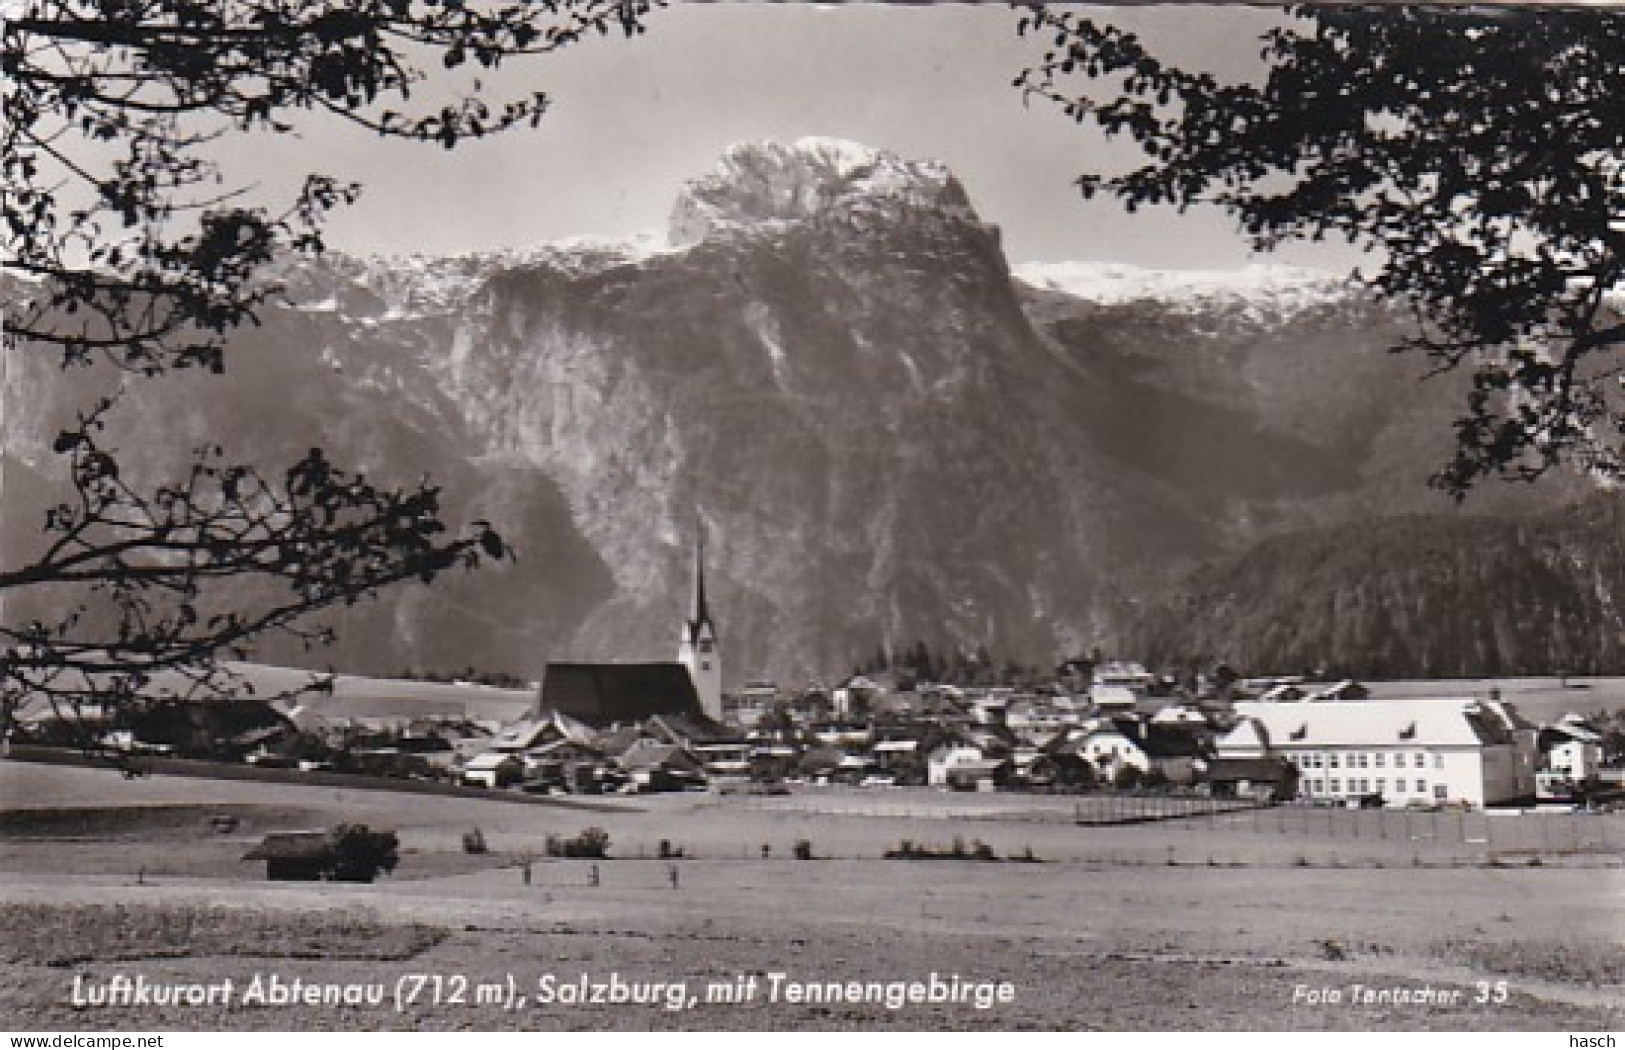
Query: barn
pixel 295 856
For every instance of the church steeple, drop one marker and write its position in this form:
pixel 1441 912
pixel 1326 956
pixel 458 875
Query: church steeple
pixel 697 647
pixel 699 617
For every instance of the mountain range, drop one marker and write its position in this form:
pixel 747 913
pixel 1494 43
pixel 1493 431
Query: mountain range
pixel 885 433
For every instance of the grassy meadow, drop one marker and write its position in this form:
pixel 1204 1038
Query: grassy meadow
pixel 1211 921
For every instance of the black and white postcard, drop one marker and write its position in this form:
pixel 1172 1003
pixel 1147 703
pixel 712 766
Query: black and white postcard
pixel 776 516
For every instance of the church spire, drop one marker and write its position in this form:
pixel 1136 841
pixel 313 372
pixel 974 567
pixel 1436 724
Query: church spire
pixel 698 650
pixel 700 614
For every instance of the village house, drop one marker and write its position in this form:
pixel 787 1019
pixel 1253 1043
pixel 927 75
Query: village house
pixel 1570 749
pixel 1109 749
pixel 1056 763
pixel 504 759
pixel 1034 722
pixel 842 734
pixel 653 765
pixel 895 757
pixel 1176 750
pixel 812 705
pixel 990 707
pixel 831 765
pixel 1259 779
pixel 1179 714
pixel 1125 674
pixel 565 765
pixel 1114 698
pixel 750 705
pixel 1430 751
pixel 720 750
pixel 493 769
pixel 942 761
pixel 854 699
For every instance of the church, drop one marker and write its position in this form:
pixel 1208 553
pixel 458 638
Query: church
pixel 602 695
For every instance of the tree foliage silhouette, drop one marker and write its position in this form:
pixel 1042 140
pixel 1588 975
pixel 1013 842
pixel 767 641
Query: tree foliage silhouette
pixel 1478 155
pixel 129 245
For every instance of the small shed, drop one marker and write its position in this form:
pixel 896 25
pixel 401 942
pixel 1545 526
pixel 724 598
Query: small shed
pixel 345 853
pixel 295 856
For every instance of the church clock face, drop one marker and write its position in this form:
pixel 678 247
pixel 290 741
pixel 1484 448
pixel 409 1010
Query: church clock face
pixel 706 645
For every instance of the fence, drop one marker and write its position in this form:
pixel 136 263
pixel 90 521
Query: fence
pixel 1443 834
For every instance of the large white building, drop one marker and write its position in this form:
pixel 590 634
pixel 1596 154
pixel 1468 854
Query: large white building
pixel 1431 751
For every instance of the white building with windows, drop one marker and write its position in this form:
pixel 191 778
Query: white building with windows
pixel 1409 752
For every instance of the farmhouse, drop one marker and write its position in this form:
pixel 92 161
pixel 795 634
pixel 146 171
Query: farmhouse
pixel 1409 752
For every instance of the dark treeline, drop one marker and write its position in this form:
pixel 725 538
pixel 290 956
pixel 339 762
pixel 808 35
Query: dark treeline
pixel 1420 596
pixel 950 665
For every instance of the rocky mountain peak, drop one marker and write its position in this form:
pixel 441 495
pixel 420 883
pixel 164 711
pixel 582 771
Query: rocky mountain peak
pixel 758 183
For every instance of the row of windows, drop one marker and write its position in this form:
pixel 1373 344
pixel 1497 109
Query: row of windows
pixel 1364 786
pixel 1361 760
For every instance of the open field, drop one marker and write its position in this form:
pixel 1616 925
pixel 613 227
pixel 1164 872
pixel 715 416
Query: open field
pixel 389 699
pixel 1210 923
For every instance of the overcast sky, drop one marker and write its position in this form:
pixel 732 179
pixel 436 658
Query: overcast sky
pixel 633 119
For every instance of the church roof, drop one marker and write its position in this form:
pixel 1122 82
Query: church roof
pixel 1463 722
pixel 603 694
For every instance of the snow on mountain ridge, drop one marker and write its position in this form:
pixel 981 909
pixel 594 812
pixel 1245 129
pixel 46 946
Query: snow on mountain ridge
pixel 1287 289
